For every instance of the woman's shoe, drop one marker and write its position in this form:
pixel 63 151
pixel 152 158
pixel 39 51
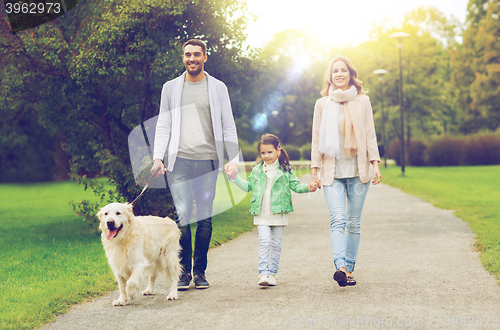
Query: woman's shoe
pixel 340 277
pixel 351 281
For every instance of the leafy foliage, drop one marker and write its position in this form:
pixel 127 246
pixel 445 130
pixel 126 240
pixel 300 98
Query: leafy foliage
pixel 97 72
pixel 289 86
pixel 476 68
pixel 429 103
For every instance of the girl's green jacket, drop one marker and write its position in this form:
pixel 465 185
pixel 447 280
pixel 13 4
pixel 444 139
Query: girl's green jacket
pixel 281 196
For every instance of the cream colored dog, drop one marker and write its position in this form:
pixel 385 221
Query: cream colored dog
pixel 137 246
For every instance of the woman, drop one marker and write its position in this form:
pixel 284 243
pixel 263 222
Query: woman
pixel 344 148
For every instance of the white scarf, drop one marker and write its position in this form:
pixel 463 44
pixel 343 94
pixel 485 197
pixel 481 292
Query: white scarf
pixel 329 142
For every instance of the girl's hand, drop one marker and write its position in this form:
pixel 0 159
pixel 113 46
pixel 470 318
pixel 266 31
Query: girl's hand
pixel 377 176
pixel 312 186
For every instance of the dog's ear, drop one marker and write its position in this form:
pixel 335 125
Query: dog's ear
pixel 130 206
pixel 130 212
pixel 99 216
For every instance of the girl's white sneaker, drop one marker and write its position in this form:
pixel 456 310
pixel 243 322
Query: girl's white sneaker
pixel 271 279
pixel 263 280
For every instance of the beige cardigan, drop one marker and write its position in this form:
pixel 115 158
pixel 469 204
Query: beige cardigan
pixel 361 113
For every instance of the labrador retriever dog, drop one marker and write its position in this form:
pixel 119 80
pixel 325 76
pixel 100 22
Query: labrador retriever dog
pixel 139 246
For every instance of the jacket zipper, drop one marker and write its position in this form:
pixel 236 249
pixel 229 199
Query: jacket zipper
pixel 282 178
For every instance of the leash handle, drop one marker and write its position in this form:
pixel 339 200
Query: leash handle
pixel 146 186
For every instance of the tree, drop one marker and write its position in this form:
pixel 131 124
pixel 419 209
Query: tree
pixel 476 11
pixel 476 68
pixel 428 103
pixel 425 73
pixel 288 88
pixel 26 149
pixel 485 90
pixel 97 73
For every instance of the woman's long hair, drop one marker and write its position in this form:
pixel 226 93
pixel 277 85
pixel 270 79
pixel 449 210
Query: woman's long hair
pixel 283 158
pixel 352 71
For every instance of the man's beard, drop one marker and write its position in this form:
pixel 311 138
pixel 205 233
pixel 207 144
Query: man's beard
pixel 196 71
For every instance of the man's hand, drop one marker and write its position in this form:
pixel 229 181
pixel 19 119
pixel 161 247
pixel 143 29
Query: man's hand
pixel 158 164
pixel 231 169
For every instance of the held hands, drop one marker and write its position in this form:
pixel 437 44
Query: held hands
pixel 314 183
pixel 231 169
pixel 312 186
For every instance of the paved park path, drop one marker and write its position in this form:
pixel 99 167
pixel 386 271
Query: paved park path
pixel 416 269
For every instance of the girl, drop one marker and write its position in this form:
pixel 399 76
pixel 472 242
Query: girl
pixel 270 183
pixel 344 146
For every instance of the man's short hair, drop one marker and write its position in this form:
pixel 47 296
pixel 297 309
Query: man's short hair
pixel 195 42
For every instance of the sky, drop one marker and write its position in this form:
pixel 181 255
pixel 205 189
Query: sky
pixel 344 22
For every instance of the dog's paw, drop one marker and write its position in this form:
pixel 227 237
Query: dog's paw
pixel 132 290
pixel 147 292
pixel 120 302
pixel 172 296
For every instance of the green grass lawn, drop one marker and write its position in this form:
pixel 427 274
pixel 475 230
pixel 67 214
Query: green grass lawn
pixel 51 259
pixel 472 191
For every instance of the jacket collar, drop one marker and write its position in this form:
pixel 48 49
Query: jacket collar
pixel 279 171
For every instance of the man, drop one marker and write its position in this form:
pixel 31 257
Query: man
pixel 195 120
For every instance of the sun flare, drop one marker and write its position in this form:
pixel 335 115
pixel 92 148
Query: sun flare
pixel 338 23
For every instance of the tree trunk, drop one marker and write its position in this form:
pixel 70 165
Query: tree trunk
pixel 61 159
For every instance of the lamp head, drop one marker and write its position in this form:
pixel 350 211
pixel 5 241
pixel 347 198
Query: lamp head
pixel 380 73
pixel 399 37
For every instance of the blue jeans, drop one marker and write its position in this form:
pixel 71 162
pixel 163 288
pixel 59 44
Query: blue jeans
pixel 269 249
pixel 193 181
pixel 345 221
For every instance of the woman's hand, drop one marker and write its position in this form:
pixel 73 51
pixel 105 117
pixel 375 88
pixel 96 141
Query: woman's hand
pixel 314 181
pixel 377 176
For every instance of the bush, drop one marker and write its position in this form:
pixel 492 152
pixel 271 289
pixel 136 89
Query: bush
pixel 293 152
pixel 121 186
pixel 394 150
pixel 249 152
pixel 26 143
pixel 414 155
pixel 417 153
pixel 482 150
pixel 448 151
pixel 479 149
pixel 306 152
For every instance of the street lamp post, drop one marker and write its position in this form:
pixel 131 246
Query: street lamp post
pixel 399 37
pixel 380 73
